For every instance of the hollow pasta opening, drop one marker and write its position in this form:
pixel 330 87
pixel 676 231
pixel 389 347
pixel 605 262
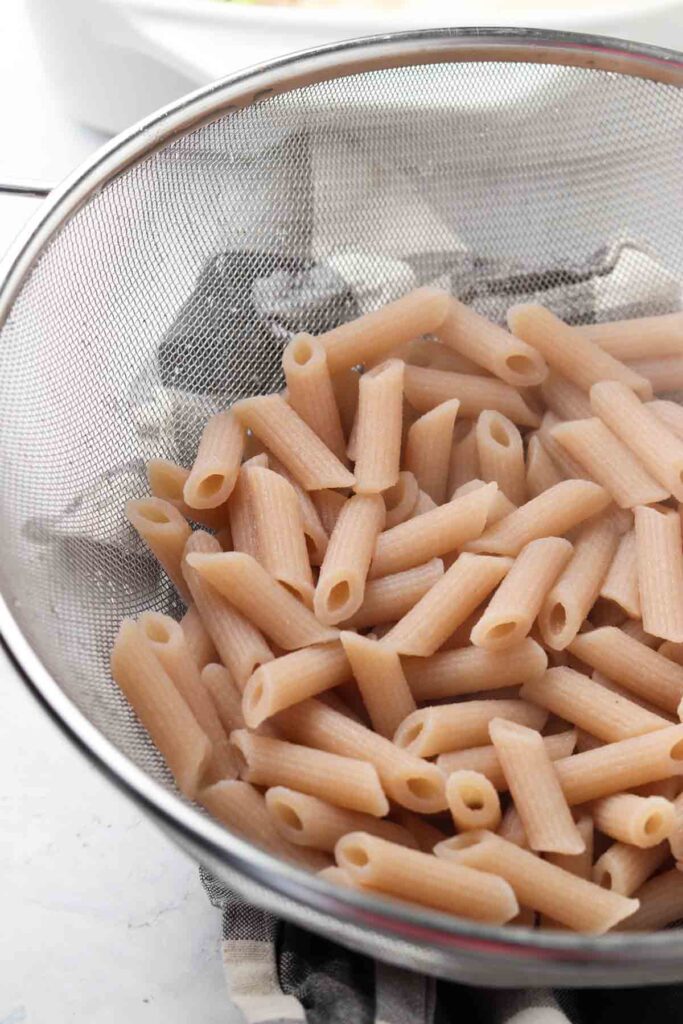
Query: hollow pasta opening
pixel 676 752
pixel 153 514
pixel 410 734
pixel 499 434
pixel 357 856
pixel 502 630
pixel 338 596
pixel 157 631
pixel 557 620
pixel 423 789
pixel 210 485
pixel 302 352
pixel 464 840
pixel 472 798
pixel 520 364
pixel 255 696
pixel 288 816
pixel 653 823
pixel 606 880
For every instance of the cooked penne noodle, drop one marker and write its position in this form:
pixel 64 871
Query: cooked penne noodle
pixel 446 727
pixel 341 583
pixel 437 356
pixel 472 800
pixel 665 373
pixel 419 877
pixel 328 505
pixel 501 455
pixel 409 781
pixel 292 678
pixel 485 759
pixel 376 447
pixel 388 598
pixel 648 674
pixel 579 864
pixel 166 480
pixel 464 459
pixel 345 384
pixel 381 682
pixel 165 714
pixel 575 902
pixel 310 392
pixel 314 532
pixel 435 533
pixel 541 471
pixel 609 462
pixel 569 352
pixel 425 834
pixel 470 669
pixel 264 601
pixel 641 821
pixel 650 440
pixel 594 708
pixel 608 684
pixel 676 837
pixel 566 464
pixel 624 868
pixel 225 694
pixel 551 514
pixel 431 621
pixel 306 820
pixel 575 590
pixel 165 532
pixel 197 639
pixel 240 645
pixel 400 500
pixel 500 507
pixel 661 903
pixel 535 789
pixel 565 399
pixel 512 610
pixel 491 346
pixel 620 585
pixel 639 338
pixel 670 413
pixel 343 781
pixel 615 767
pixel 423 504
pixel 512 829
pixel 426 389
pixel 371 336
pixel 217 463
pixel 659 552
pixel 167 641
pixel 428 449
pixel 293 442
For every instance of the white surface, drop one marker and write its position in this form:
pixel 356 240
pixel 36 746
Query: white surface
pixel 103 920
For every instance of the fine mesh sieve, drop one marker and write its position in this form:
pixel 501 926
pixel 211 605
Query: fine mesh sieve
pixel 161 282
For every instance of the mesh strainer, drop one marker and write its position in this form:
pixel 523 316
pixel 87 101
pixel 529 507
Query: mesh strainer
pixel 162 280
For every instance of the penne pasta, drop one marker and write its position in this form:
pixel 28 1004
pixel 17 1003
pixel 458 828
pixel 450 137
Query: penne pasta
pixel 676 837
pixel 670 414
pixel 640 338
pixel 472 801
pixel 337 876
pixel 166 481
pixel 437 356
pixel 217 463
pixel 471 669
pixel 389 598
pixel 624 868
pixel 664 373
pixel 620 585
pixel 428 449
pixel 226 696
pixel 423 504
pixel 566 464
pixel 328 505
pixel 500 505
pixel 485 759
pixel 199 642
pixel 314 532
pixel 641 821
pixel 565 399
pixel 661 903
pixel 165 532
pixel 501 455
pixel 292 678
pixel 310 392
pixel 464 459
pixel 446 727
pixel 376 448
pixel 426 389
pixel 400 500
pixel 511 828
pixel 341 583
pixel 541 471
pixel 659 554
pixel 381 682
pixel 609 684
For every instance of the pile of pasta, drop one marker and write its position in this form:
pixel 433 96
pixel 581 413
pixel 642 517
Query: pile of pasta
pixel 433 645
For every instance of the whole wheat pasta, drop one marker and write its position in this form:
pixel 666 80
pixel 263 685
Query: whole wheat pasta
pixel 500 507
pixel 165 532
pixel 371 336
pixel 472 800
pixel 344 781
pixel 293 442
pixel 425 834
pixel 653 444
pixel 661 903
pixel 328 505
pixel 615 767
pixel 464 461
pixel 436 356
pixel 541 471
pixel 428 449
pixel 431 621
pixel 608 684
pixel 434 730
pixel 310 392
pixel 306 820
pixel 292 678
pixel 172 727
pixel 491 346
pixel 409 781
pixel 470 669
pixel 664 373
pixel 670 413
pixel 640 338
pixel 197 639
pixel 659 551
pixel 388 598
pixel 535 788
pixel 435 533
pixel 166 480
pixel 400 500
pixel 641 821
pixel 575 902
pixel 226 696
pixel 426 389
pixel 624 868
pixel 574 592
pixel 217 463
pixel 240 645
pixel 676 837
pixel 551 514
pixel 648 674
pixel 314 532
pixel 565 399
pixel 243 809
pixel 264 601
pixel 375 443
pixel 592 707
pixel 512 610
pixel 511 828
pixel 620 585
pixel 579 864
pixel 568 467
pixel 341 584
pixel 381 682
pixel 501 454
pixel 419 877
pixel 569 352
pixel 485 759
pixel 166 639
pixel 345 384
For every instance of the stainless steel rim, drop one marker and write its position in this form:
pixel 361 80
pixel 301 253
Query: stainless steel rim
pixel 425 928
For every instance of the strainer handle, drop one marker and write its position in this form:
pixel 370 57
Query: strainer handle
pixel 34 189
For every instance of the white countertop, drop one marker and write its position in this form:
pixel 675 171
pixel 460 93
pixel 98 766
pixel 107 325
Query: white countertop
pixel 103 920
